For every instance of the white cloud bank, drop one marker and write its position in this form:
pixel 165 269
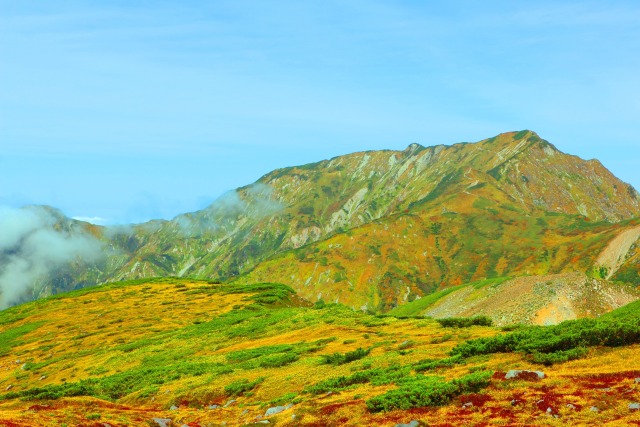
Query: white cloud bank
pixel 32 247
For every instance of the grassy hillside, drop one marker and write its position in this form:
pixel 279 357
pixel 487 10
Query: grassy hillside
pixel 125 353
pixel 397 259
pixel 542 300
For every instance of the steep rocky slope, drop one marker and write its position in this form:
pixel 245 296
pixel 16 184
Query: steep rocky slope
pixel 376 229
pixel 291 207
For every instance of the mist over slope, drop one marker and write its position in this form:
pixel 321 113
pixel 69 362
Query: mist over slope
pixel 35 243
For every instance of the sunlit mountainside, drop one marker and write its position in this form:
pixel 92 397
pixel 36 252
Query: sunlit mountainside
pixel 375 230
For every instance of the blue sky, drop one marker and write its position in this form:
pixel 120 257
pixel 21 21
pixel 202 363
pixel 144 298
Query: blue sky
pixel 132 110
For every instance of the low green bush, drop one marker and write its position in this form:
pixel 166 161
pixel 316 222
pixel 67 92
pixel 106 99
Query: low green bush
pixel 465 322
pixel 566 341
pixel 240 387
pixel 431 364
pixel 376 376
pixel 428 391
pixel 341 359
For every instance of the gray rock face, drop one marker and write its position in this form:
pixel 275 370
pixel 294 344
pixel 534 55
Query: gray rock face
pixel 161 422
pixel 276 410
pixel 523 374
pixel 413 423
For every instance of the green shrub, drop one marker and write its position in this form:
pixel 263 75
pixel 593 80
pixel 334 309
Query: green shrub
pixel 465 322
pixel 244 355
pixel 559 343
pixel 341 359
pixel 278 360
pixel 549 359
pixel 431 364
pixel 240 387
pixel 428 391
pixel 376 376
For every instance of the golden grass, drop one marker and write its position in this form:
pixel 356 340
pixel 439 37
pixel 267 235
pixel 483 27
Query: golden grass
pixel 82 337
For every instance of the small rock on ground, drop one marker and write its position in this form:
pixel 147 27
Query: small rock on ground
pixel 634 406
pixel 523 374
pixel 229 403
pixel 161 422
pixel 594 409
pixel 413 423
pixel 276 410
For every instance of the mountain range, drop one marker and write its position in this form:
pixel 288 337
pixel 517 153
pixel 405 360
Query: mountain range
pixel 376 230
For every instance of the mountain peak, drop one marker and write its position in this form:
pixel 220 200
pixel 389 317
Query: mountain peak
pixel 413 147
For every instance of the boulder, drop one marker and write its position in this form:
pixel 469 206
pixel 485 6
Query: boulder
pixel 524 375
pixel 276 410
pixel 412 423
pixel 634 406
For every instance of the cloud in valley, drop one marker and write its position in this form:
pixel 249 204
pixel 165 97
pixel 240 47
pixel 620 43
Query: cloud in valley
pixel 33 246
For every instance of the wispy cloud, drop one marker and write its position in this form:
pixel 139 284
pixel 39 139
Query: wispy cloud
pixel 92 219
pixel 32 249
